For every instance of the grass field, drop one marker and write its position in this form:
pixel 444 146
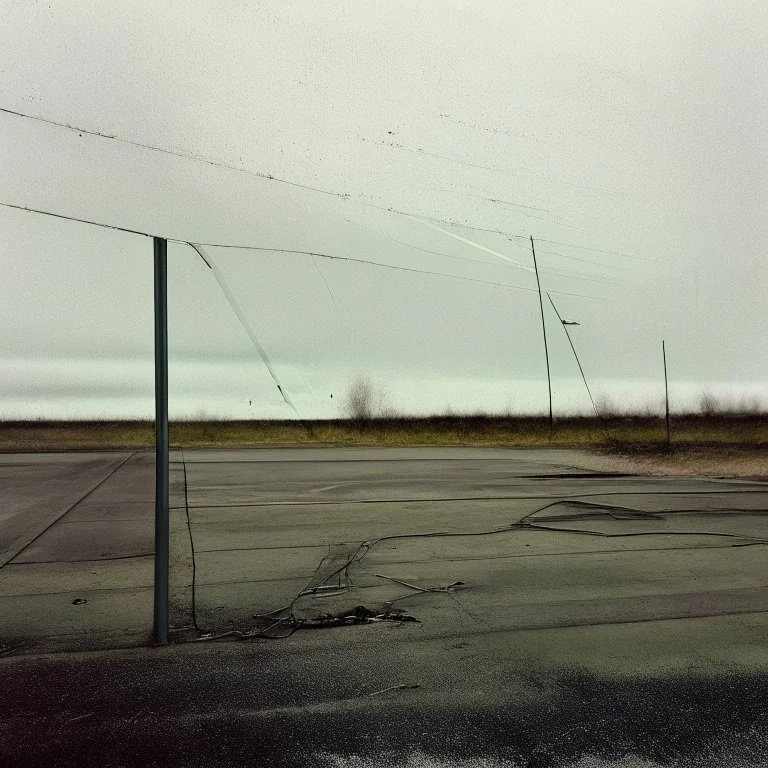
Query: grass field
pixel 702 444
pixel 631 433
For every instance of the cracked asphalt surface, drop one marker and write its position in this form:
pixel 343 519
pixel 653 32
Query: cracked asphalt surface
pixel 566 616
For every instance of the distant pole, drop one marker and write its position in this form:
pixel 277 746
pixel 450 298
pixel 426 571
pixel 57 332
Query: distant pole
pixel 666 390
pixel 544 331
pixel 161 441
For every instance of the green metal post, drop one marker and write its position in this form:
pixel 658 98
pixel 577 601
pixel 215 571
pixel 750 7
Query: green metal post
pixel 161 442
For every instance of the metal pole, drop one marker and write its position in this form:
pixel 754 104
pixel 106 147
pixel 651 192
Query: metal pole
pixel 666 390
pixel 161 441
pixel 544 331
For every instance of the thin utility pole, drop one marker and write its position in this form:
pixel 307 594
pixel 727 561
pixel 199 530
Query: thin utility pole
pixel 161 441
pixel 666 390
pixel 544 331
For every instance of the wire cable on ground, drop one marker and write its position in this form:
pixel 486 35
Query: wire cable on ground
pixel 449 499
pixel 290 623
pixel 191 545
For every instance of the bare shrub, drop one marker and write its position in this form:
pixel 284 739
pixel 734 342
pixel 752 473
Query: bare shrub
pixel 712 405
pixel 750 405
pixel 364 400
pixel 709 404
pixel 651 408
pixel 606 407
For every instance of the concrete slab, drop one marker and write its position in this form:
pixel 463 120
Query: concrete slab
pixel 557 643
pixel 270 526
pixel 90 540
pixel 262 522
pixel 269 482
pixel 113 618
pixel 86 535
pixel 54 578
pixel 235 566
pixel 547 457
pixel 37 489
pixel 225 606
pixel 112 510
pixel 135 484
pixel 514 581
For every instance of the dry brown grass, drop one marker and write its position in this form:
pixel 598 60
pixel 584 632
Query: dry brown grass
pixel 695 461
pixel 630 436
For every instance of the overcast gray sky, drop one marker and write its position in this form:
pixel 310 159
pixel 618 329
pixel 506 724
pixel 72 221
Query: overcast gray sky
pixel 635 131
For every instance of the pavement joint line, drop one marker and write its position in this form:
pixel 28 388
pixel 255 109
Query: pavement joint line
pixel 125 632
pixel 286 579
pixel 653 594
pixel 12 551
pixel 544 626
pixel 133 632
pixel 576 625
pixel 566 497
pixel 579 553
pixel 577 470
pixel 85 591
pixel 84 560
pixel 722 512
pixel 124 503
pixel 109 521
pixel 622 550
pixel 324 545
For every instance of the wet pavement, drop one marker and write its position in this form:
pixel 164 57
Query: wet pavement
pixel 562 614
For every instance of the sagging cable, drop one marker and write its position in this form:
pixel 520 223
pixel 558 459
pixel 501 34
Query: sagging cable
pixel 330 293
pixel 480 247
pixel 227 291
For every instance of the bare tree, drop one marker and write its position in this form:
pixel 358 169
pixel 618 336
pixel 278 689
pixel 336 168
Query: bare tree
pixel 710 405
pixel 364 400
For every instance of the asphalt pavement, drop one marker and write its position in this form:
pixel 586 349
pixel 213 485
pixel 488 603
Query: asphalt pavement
pixel 379 606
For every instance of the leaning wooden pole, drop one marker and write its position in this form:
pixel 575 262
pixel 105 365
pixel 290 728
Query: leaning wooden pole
pixel 544 332
pixel 578 362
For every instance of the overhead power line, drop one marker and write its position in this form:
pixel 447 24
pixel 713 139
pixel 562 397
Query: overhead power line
pixel 270 177
pixel 379 264
pixel 387 266
pixel 174 153
pixel 584 248
pixel 74 218
pixel 558 273
pixel 417 248
pixel 362 261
